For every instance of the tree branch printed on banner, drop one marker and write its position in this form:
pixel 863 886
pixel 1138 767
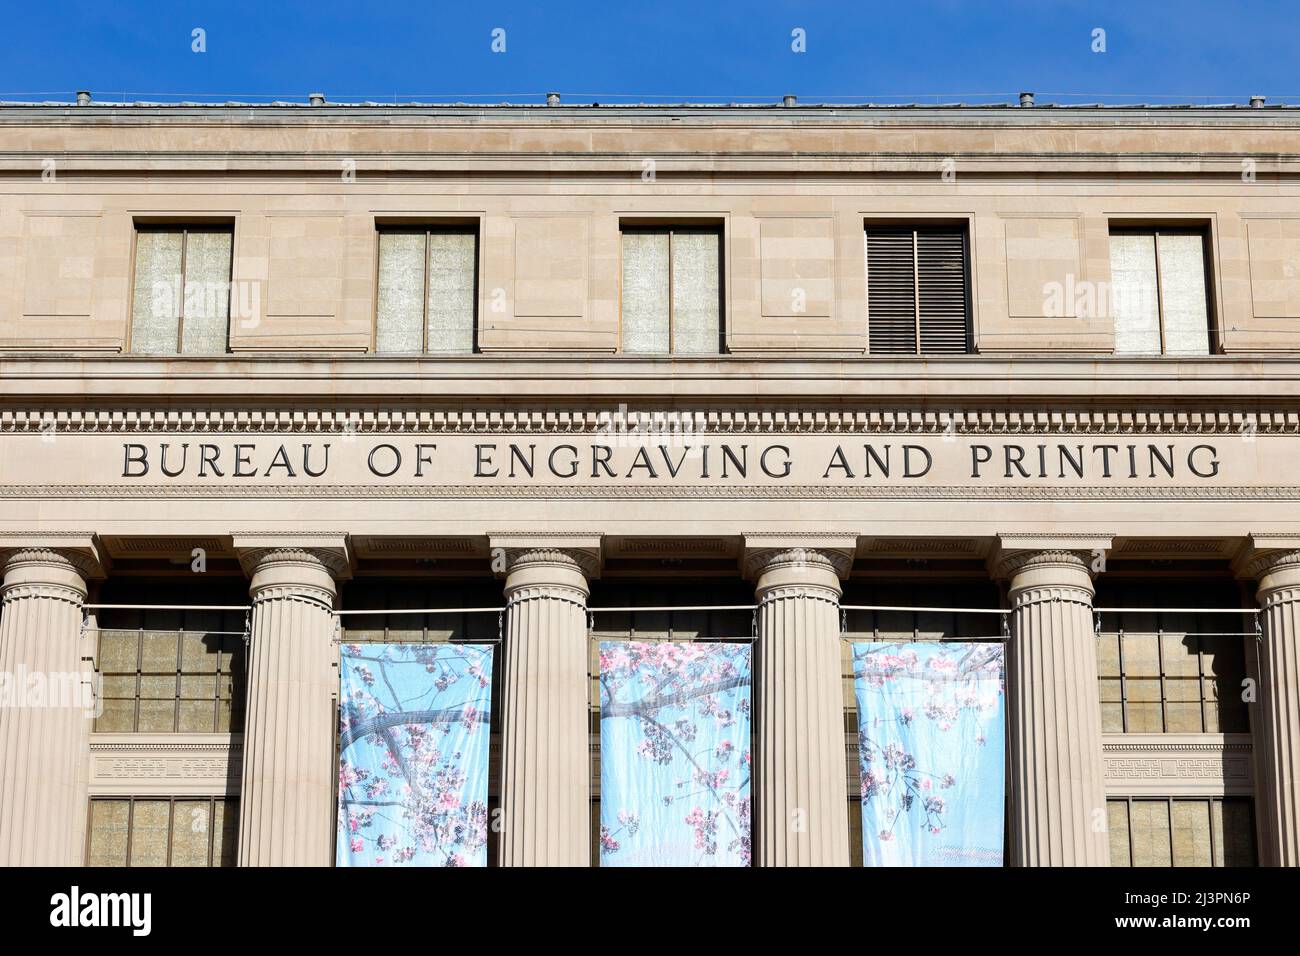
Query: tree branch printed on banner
pixel 675 754
pixel 930 750
pixel 413 754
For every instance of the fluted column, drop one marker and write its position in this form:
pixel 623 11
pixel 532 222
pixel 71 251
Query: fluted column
pixel 545 772
pixel 46 708
pixel 287 791
pixel 801 771
pixel 1279 703
pixel 1057 776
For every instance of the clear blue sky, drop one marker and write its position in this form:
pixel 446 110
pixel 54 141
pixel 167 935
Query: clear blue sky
pixel 895 50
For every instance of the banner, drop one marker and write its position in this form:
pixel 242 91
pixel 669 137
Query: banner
pixel 931 744
pixel 413 754
pixel 674 754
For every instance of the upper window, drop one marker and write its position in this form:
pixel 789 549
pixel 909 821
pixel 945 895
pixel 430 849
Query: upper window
pixel 1159 294
pixel 1171 671
pixel 171 671
pixel 672 291
pixel 918 290
pixel 181 299
pixel 427 290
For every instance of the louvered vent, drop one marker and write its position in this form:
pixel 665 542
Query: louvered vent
pixel 916 289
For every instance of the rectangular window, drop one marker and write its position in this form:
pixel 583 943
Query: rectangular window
pixel 672 291
pixel 163 831
pixel 181 296
pixel 172 672
pixel 1171 673
pixel 918 290
pixel 1159 294
pixel 1208 831
pixel 427 291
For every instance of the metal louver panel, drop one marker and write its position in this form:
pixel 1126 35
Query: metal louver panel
pixel 917 300
pixel 891 291
pixel 941 278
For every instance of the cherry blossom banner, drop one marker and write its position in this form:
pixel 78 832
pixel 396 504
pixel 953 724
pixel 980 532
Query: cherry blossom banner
pixel 674 754
pixel 931 744
pixel 413 754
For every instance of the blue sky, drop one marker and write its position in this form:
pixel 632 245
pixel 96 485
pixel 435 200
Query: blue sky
pixel 914 50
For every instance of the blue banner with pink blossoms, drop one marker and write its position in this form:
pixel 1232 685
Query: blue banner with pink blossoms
pixel 413 754
pixel 674 754
pixel 931 745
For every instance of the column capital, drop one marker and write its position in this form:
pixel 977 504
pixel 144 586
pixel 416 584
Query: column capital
pixel 293 565
pixel 542 561
pixel 57 550
pixel 777 565
pixel 1059 573
pixel 1276 570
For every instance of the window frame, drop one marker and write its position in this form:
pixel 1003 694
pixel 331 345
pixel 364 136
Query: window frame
pixel 918 223
pixel 1169 800
pixel 231 800
pixel 427 226
pixel 1122 678
pixel 707 224
pixel 1200 227
pixel 235 670
pixel 185 227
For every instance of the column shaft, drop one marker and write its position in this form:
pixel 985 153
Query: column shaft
pixel 1057 775
pixel 801 772
pixel 287 792
pixel 46 717
pixel 1279 706
pixel 546 773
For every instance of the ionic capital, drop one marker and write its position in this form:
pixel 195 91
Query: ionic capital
pixel 815 570
pixel 293 566
pixel 1051 574
pixel 48 565
pixel 1277 573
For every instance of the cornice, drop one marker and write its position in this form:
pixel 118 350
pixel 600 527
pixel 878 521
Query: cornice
pixel 669 420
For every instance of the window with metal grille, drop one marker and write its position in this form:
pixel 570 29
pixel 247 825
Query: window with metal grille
pixel 671 290
pixel 1171 671
pixel 1207 831
pixel 171 671
pixel 427 290
pixel 180 301
pixel 918 298
pixel 1159 293
pixel 163 831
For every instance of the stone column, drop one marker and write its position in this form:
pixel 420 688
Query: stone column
pixel 1057 776
pixel 545 766
pixel 286 797
pixel 1278 710
pixel 800 768
pixel 46 707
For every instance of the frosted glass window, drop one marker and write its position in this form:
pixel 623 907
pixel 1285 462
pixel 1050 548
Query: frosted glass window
pixel 158 831
pixel 156 306
pixel 452 258
pixel 697 291
pixel 1159 298
pixel 1200 831
pixel 1149 833
pixel 1168 671
pixel 181 298
pixel 186 675
pixel 401 292
pixel 1183 302
pixel 427 291
pixel 671 291
pixel 646 306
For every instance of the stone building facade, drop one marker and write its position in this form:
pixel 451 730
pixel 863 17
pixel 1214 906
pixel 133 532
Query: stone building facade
pixel 791 374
